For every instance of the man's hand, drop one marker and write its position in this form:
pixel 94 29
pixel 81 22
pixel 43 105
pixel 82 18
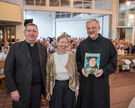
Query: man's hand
pixel 84 74
pixel 15 96
pixel 99 73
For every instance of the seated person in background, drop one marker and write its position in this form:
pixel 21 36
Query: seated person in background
pixel 127 65
pixel 6 44
pixel 52 47
pixel 130 49
pixel 121 50
pixel 3 56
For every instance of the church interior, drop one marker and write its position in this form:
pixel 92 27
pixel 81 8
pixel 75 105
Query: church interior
pixel 54 17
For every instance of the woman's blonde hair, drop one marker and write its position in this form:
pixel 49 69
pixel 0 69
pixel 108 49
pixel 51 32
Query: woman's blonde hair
pixel 62 36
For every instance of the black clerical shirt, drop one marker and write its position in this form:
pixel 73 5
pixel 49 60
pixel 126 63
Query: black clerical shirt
pixel 36 73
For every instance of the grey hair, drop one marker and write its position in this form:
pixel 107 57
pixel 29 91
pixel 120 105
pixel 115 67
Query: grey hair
pixel 91 20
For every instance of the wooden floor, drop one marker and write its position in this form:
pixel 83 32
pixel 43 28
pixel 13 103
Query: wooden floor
pixel 122 88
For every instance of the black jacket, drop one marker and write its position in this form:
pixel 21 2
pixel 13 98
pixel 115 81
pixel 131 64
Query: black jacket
pixel 18 68
pixel 94 92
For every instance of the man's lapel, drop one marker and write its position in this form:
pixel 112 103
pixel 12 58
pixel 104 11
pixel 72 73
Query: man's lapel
pixel 40 53
pixel 26 51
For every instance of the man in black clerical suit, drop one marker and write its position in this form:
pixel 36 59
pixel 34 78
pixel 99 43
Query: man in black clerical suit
pixel 94 88
pixel 25 70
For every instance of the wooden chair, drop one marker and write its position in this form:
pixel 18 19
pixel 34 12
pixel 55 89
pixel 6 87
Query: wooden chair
pixel 2 77
pixel 121 57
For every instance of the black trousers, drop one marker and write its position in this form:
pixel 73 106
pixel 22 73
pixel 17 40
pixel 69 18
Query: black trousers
pixel 62 96
pixel 34 100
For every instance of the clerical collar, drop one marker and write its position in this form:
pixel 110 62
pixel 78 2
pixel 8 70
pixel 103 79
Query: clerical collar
pixel 31 44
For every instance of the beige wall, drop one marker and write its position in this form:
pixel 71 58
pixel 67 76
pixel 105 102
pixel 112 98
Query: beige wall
pixel 19 32
pixel 10 12
pixel 20 28
pixel 114 17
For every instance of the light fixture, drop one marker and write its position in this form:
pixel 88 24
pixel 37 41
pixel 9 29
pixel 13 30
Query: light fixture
pixel 131 16
pixel 128 3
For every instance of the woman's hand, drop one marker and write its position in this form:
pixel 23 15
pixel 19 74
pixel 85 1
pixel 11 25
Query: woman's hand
pixel 76 94
pixel 48 96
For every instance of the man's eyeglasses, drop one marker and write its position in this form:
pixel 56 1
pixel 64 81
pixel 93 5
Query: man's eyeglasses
pixel 34 31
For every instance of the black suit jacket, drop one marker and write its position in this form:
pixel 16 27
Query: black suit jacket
pixel 132 50
pixel 18 68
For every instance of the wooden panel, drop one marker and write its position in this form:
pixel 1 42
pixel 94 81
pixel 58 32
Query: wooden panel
pixel 2 64
pixel 12 13
pixel 121 57
pixel 3 85
pixel 2 77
